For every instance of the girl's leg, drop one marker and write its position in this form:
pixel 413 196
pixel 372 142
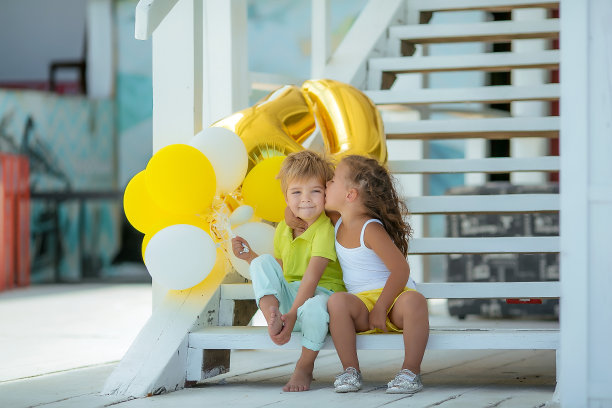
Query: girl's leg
pixel 410 314
pixel 347 316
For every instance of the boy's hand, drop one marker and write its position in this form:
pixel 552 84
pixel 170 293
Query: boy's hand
pixel 284 336
pixel 378 319
pixel 295 223
pixel 242 249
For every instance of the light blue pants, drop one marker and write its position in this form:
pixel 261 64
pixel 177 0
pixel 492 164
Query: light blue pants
pixel 312 316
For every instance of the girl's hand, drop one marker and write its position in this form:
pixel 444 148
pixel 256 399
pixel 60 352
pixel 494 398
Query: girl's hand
pixel 378 319
pixel 242 249
pixel 295 223
pixel 284 336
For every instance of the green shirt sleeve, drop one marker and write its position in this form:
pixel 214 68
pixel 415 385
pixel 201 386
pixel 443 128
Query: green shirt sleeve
pixel 323 243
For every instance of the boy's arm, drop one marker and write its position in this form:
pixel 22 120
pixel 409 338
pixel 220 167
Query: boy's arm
pixel 377 238
pixel 242 250
pixel 308 285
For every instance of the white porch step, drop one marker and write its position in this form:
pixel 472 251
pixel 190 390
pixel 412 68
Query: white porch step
pixel 498 61
pixel 488 5
pixel 496 128
pixel 489 245
pixel 485 94
pixel 236 337
pixel 496 31
pixel 503 203
pixel 489 165
pixel 446 290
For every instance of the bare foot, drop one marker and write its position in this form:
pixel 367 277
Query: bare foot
pixel 275 324
pixel 300 380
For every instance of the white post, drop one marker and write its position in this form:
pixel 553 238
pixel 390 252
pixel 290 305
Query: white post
pixel 586 203
pixel 100 57
pixel 320 34
pixel 529 147
pixel 177 82
pixel 224 59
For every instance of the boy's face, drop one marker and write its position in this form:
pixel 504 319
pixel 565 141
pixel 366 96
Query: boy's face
pixel 306 198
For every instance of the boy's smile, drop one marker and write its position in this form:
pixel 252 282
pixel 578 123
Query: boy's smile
pixel 306 198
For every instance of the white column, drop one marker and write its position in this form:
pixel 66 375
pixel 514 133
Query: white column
pixel 100 53
pixel 224 59
pixel 177 82
pixel 529 147
pixel 320 34
pixel 586 203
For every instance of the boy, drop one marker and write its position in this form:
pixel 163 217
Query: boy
pixel 292 287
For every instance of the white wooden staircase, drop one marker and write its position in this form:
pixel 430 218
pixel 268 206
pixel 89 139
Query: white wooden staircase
pixel 199 345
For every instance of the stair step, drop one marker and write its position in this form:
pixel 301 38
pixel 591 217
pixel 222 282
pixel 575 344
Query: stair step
pixel 490 165
pixel 498 61
pixel 489 245
pixel 484 94
pixel 497 128
pixel 496 31
pixel 488 5
pixel 444 290
pixel 237 337
pixel 503 203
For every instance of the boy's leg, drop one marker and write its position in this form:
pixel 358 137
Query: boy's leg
pixel 313 320
pixel 410 314
pixel 271 290
pixel 347 316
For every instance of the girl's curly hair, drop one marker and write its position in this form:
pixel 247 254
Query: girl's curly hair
pixel 378 193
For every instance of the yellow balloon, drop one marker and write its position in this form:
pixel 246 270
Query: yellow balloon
pixel 139 208
pixel 274 126
pixel 181 180
pixel 262 191
pixel 348 119
pixel 194 220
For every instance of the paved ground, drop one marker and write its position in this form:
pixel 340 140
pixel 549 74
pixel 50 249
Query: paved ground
pixel 59 343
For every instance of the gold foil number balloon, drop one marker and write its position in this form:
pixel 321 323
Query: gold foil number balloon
pixel 349 121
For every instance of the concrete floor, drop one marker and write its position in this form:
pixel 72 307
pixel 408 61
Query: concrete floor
pixel 59 343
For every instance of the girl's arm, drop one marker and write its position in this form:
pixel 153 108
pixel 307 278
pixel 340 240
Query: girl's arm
pixel 376 238
pixel 309 283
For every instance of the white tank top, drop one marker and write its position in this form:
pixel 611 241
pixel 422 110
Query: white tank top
pixel 362 269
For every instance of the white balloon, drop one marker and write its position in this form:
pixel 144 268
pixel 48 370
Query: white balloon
pixel 227 154
pixel 180 256
pixel 241 215
pixel 260 237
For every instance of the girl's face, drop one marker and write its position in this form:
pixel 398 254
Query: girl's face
pixel 337 190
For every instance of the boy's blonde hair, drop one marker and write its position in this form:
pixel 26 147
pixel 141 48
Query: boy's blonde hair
pixel 303 165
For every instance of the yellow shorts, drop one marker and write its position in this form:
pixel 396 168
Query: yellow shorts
pixel 369 298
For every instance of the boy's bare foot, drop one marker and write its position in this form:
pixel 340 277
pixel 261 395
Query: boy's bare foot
pixel 300 380
pixel 275 323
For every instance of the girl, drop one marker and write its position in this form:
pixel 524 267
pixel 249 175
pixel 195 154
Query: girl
pixel 372 245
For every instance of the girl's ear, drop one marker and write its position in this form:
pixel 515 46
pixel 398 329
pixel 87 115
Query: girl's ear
pixel 352 194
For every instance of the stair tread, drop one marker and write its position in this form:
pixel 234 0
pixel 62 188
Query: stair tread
pixel 487 31
pixel 487 165
pixel 498 61
pixel 488 245
pixel 474 128
pixel 490 5
pixel 483 94
pixel 501 203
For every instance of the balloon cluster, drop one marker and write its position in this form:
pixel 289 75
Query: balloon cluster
pixel 194 197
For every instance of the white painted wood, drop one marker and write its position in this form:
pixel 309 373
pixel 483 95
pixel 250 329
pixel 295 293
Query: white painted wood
pixel 149 15
pixel 499 128
pixel 100 54
pixel 504 203
pixel 446 290
pixel 495 245
pixel 348 63
pixel 489 165
pixel 489 5
pixel 176 77
pixel 497 31
pixel 499 61
pixel 586 103
pixel 320 34
pixel 195 362
pixel 458 339
pixel 151 361
pixel 224 59
pixel 265 81
pixel 475 150
pixel 485 94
